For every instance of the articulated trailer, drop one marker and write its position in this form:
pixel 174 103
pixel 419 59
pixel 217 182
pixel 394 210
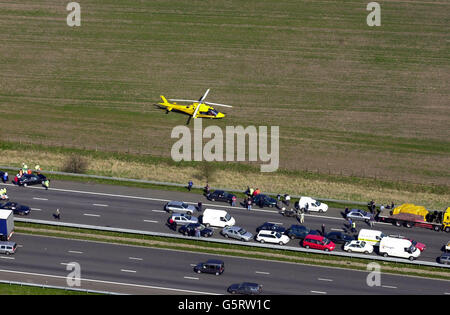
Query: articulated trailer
pixel 409 215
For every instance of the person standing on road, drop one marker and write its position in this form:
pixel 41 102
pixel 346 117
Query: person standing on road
pixel 200 206
pixel 371 221
pixel 5 177
pixel 353 227
pixel 323 229
pixel 302 217
pixel 58 214
pixel 45 184
pixel 233 201
pixel 190 184
pixel 249 203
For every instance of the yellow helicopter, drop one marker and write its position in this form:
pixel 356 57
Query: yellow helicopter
pixel 198 109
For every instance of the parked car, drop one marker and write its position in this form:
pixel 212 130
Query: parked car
pixel 182 218
pixel 212 266
pixel 318 242
pixel 339 237
pixel 360 215
pixel 179 207
pixel 8 248
pixel 246 288
pixel 220 195
pixel 29 179
pixel 358 247
pixel 264 201
pixel 189 230
pixel 273 237
pixel 16 208
pixel 237 233
pixel 297 231
pixel 402 248
pixel 267 226
pixel 445 259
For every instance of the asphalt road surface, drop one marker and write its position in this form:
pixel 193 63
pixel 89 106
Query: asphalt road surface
pixel 142 209
pixel 141 270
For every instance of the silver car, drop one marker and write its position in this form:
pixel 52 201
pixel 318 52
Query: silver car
pixel 357 214
pixel 179 207
pixel 8 248
pixel 237 233
pixel 183 219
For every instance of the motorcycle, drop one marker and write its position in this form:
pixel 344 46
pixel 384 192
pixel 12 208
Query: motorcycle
pixel 288 213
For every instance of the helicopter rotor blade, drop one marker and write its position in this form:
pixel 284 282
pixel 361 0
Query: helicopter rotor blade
pixel 216 104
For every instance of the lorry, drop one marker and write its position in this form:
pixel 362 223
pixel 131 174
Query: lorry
pixel 410 215
pixel 6 224
pixel 397 247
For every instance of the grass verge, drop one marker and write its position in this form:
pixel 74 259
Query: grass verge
pixel 15 289
pixel 230 250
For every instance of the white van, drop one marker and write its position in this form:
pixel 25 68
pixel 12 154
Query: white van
pixel 310 204
pixel 219 218
pixel 372 237
pixel 403 248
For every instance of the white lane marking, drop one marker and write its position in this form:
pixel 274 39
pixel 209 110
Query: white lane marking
pixel 109 282
pixel 91 215
pixel 99 205
pixel 318 292
pixel 193 265
pixel 135 258
pixel 7 257
pixel 36 209
pixel 323 279
pixel 129 271
pixel 277 223
pixel 191 278
pixel 151 221
pixel 74 252
pixel 263 272
pixel 36 198
pixel 160 211
pixel 340 230
pixel 388 287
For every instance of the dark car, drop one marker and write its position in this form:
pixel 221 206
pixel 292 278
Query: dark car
pixel 246 288
pixel 267 226
pixel 445 258
pixel 264 201
pixel 220 195
pixel 297 231
pixel 189 230
pixel 212 266
pixel 16 208
pixel 29 179
pixel 339 237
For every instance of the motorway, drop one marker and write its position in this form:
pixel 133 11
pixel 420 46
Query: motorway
pixel 142 209
pixel 141 270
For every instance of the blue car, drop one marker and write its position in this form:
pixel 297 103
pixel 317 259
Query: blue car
pixel 16 208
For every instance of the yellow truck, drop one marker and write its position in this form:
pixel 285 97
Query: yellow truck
pixel 410 215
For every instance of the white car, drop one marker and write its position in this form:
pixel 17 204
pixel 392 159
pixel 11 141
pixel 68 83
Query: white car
pixel 358 247
pixel 265 236
pixel 310 204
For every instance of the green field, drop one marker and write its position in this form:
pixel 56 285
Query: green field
pixel 349 99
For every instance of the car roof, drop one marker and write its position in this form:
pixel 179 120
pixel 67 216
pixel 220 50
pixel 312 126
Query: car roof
pixel 314 236
pixel 214 261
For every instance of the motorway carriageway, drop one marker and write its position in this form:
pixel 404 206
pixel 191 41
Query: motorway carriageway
pixel 142 209
pixel 142 270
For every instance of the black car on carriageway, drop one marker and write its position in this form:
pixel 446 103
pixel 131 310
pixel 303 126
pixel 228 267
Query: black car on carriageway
pixel 29 179
pixel 264 201
pixel 339 237
pixel 268 226
pixel 189 230
pixel 16 208
pixel 220 195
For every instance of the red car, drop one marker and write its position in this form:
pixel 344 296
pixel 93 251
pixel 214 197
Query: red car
pixel 420 246
pixel 318 242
